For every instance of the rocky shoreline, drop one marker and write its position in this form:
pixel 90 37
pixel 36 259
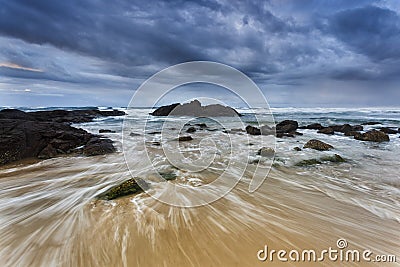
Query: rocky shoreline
pixel 48 134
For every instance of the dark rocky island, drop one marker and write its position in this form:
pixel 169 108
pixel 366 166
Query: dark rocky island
pixel 195 109
pixel 47 134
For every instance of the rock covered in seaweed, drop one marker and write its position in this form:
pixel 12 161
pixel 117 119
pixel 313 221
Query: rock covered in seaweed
pixel 317 145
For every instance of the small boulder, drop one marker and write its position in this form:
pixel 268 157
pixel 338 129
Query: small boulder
pixel 326 130
pixel 191 130
pixel 297 148
pixel 128 187
pixel 317 145
pixel 266 152
pixel 184 138
pixel 388 130
pixel 313 126
pixel 335 158
pixel 373 136
pixel 253 130
pixel 287 126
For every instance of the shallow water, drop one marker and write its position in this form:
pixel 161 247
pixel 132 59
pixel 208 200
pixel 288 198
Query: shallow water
pixel 49 215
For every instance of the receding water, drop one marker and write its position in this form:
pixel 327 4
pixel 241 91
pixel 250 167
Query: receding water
pixel 49 215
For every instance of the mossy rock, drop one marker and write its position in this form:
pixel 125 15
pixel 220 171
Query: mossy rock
pixel 169 176
pixel 126 188
pixel 334 158
pixel 308 162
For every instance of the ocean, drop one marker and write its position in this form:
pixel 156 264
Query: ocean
pixel 49 215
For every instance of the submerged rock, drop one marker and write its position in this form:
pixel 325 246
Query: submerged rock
pixel 388 130
pixel 106 131
pixel 266 152
pixel 195 109
pixel 191 130
pixel 253 130
pixel 326 130
pixel 334 158
pixel 317 145
pixel 308 162
pixel 370 123
pixel 168 175
pixel 373 136
pixel 297 148
pixel 313 126
pixel 128 187
pixel 184 138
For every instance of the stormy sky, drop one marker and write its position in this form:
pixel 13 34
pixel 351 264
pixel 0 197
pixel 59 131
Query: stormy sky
pixel 300 53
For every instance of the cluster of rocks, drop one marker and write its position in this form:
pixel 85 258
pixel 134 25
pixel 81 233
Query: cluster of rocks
pixel 286 128
pixel 47 134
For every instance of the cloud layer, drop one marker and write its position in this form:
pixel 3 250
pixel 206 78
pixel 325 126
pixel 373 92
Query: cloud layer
pixel 98 52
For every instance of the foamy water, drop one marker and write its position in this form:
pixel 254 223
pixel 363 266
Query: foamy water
pixel 49 215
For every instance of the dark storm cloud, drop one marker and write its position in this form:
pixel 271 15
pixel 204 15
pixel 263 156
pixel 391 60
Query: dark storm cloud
pixel 370 30
pixel 114 45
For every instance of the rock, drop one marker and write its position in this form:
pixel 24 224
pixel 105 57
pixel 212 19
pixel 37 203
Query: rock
pixel 48 152
pixel 287 126
pixel 168 175
pixel 184 138
pixel 128 187
pixel 281 135
pixel 106 131
pixel 134 134
pixel 191 130
pixel 317 145
pixel 335 158
pixel 313 126
pixel 97 146
pixel 266 152
pixel 357 128
pixel 253 130
pixel 388 130
pixel 352 133
pixel 297 148
pixel 266 130
pixel 201 125
pixel 371 123
pixel 326 130
pixel 195 109
pixel 307 162
pixel 164 110
pixel 373 136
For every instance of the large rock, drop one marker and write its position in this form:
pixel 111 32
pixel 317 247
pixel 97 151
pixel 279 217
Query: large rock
pixel 195 109
pixel 26 135
pixel 317 145
pixel 373 136
pixel 313 126
pixel 388 130
pixel 287 126
pixel 266 152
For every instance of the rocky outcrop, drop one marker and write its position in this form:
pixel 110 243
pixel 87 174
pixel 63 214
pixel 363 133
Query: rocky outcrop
pixel 308 162
pixel 373 136
pixel 195 109
pixel 106 131
pixel 370 123
pixel 317 145
pixel 313 126
pixel 27 135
